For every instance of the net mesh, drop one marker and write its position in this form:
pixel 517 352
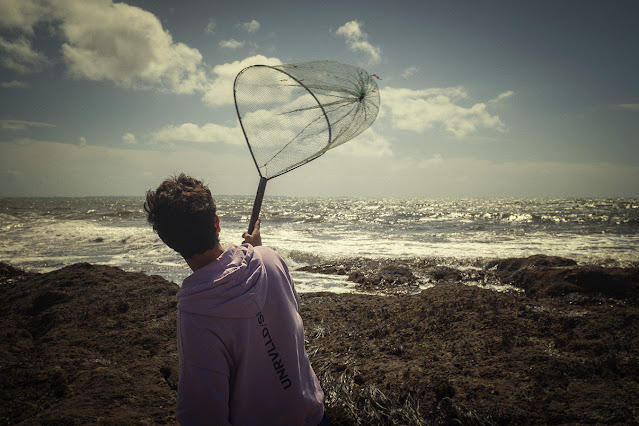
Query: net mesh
pixel 293 113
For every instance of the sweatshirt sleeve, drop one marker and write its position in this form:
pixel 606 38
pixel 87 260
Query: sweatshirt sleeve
pixel 203 397
pixel 204 384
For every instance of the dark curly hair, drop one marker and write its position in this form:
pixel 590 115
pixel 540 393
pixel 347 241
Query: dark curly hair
pixel 182 212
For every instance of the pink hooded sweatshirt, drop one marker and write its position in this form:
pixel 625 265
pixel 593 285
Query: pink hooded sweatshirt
pixel 241 345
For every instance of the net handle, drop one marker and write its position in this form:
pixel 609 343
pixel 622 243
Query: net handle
pixel 257 204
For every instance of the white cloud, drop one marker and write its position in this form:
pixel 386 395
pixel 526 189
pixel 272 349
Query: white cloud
pixel 472 177
pixel 630 107
pixel 106 41
pixel 126 45
pixel 252 26
pixel 357 40
pixel 49 168
pixel 369 144
pixel 15 84
pixel 434 161
pixel 22 15
pixel 210 27
pixel 103 41
pixel 502 96
pixel 20 57
pixel 220 91
pixel 129 139
pixel 409 72
pixel 82 141
pixel 435 176
pixel 22 124
pixel 31 167
pixel 209 133
pixel 420 110
pixel 231 44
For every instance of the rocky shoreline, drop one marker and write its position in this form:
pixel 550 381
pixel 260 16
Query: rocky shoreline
pixel 91 344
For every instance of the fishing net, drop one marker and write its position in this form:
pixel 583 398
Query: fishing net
pixel 292 114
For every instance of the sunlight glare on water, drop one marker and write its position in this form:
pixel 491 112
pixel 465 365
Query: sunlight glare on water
pixel 42 234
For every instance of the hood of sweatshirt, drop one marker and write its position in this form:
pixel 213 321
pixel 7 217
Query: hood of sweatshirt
pixel 233 286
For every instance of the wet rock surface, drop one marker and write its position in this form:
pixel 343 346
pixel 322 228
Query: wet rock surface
pixel 95 344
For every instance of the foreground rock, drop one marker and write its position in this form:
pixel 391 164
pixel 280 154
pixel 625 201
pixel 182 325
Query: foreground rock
pixel 94 344
pixel 88 344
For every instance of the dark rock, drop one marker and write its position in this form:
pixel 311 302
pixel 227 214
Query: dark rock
pixel 92 344
pixel 444 273
pixel 87 344
pixel 511 265
pixel 389 277
pixel 544 276
pixel 10 273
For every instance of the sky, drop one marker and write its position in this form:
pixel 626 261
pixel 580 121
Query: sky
pixel 478 99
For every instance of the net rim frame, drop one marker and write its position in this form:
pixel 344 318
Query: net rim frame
pixel 237 110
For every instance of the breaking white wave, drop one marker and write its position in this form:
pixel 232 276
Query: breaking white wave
pixel 48 233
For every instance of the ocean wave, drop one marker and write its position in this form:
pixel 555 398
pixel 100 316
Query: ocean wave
pixel 311 230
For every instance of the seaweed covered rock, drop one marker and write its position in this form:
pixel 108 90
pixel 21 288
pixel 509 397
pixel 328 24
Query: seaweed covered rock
pixel 391 277
pixel 85 343
pixel 460 354
pixel 444 274
pixel 550 276
pixel 10 273
pixel 379 276
pixel 510 265
pixel 93 344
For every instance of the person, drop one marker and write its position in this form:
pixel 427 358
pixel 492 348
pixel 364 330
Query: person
pixel 240 334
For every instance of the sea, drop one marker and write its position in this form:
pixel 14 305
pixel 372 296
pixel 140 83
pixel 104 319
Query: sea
pixel 44 234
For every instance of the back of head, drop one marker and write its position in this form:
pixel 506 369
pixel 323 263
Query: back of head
pixel 182 212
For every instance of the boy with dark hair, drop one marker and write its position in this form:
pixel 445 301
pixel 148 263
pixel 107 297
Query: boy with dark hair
pixel 240 334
